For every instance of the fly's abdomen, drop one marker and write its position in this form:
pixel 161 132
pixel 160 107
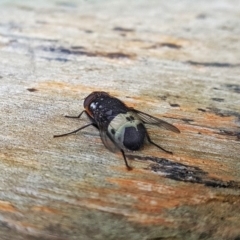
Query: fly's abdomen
pixel 133 138
pixel 127 131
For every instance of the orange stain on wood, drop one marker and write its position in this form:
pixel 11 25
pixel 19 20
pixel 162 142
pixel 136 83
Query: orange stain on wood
pixel 10 159
pixel 171 196
pixel 7 207
pixel 150 199
pixel 216 121
pixel 127 211
pixel 55 87
pixel 206 122
pixel 145 198
pixel 46 210
pixel 84 91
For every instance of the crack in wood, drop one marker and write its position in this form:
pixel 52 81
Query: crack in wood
pixel 185 173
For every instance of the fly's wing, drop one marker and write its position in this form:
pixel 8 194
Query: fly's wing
pixel 148 119
pixel 107 141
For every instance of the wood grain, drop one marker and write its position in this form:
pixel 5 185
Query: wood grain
pixel 179 61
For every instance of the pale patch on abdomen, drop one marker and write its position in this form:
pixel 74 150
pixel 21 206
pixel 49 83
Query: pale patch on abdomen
pixel 117 129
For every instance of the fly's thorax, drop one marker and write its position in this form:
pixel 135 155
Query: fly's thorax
pixel 104 108
pixel 127 131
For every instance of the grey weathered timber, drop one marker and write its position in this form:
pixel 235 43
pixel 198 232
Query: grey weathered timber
pixel 176 60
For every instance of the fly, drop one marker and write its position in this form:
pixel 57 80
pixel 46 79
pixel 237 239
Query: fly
pixel 121 127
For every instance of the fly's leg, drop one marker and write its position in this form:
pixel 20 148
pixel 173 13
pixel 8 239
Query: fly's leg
pixel 125 160
pixel 149 139
pixel 85 126
pixel 79 129
pixel 78 116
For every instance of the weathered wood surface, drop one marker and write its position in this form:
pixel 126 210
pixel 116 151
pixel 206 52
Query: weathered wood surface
pixel 179 61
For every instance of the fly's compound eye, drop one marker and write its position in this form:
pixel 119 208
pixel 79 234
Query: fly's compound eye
pixel 91 97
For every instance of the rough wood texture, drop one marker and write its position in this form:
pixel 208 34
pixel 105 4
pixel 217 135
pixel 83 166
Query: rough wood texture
pixel 179 61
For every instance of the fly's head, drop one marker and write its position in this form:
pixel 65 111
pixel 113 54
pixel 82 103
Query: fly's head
pixel 91 102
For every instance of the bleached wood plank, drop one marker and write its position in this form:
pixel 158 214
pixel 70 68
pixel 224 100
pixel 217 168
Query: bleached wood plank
pixel 176 61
